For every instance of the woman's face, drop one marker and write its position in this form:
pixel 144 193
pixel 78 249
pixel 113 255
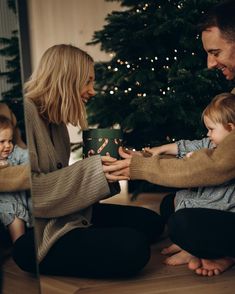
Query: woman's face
pixel 87 90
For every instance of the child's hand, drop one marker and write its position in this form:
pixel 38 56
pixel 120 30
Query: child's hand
pixel 128 153
pixel 189 154
pixel 153 151
pixel 3 163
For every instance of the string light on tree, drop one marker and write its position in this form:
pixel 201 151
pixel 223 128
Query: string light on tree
pixel 150 81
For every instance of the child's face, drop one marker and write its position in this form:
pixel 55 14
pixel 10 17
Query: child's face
pixel 6 145
pixel 216 131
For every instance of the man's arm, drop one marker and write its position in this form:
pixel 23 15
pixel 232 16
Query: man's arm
pixel 205 167
pixel 14 178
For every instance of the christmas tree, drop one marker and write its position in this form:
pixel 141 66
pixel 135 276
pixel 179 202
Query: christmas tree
pixel 156 84
pixel 10 50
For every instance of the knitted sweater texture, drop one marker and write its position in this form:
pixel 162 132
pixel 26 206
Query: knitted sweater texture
pixel 62 195
pixel 205 167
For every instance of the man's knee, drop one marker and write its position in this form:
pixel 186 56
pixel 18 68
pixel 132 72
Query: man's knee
pixel 180 226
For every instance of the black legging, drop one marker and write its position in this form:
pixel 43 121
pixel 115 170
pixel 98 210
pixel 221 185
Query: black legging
pixel 117 244
pixel 205 233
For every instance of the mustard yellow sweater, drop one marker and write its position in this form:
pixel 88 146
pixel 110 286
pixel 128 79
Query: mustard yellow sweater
pixel 204 168
pixel 62 195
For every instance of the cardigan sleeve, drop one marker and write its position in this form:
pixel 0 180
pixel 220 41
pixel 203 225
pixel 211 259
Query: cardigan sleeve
pixel 205 167
pixel 70 189
pixel 14 178
pixel 60 191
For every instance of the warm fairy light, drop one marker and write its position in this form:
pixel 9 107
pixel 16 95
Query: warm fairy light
pixel 111 92
pixel 115 69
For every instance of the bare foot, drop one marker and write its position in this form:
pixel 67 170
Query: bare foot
pixel 171 249
pixel 214 267
pixel 194 263
pixel 179 258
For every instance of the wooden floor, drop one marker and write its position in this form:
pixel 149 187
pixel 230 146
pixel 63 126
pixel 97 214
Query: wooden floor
pixel 16 281
pixel 155 278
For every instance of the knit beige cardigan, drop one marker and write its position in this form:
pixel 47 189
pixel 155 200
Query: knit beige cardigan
pixel 62 195
pixel 205 167
pixel 14 178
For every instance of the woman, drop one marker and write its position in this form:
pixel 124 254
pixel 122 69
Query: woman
pixel 75 234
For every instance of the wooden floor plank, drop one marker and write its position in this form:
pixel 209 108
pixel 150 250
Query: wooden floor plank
pixel 156 277
pixel 15 281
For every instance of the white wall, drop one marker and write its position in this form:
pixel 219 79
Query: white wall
pixel 67 21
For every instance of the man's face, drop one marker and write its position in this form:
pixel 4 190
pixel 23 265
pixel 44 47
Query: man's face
pixel 220 52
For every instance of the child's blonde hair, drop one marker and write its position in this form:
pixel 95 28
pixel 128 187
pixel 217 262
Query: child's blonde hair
pixel 221 109
pixel 5 123
pixel 56 84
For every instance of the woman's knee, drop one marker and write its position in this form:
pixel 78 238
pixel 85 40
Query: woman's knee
pixel 132 254
pixel 152 224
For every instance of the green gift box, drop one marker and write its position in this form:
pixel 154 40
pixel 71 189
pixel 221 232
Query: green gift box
pixel 101 141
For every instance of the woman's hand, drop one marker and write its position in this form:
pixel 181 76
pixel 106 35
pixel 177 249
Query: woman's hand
pixel 117 170
pixel 114 169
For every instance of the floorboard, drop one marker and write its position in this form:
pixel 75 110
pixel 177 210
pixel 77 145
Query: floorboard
pixel 156 277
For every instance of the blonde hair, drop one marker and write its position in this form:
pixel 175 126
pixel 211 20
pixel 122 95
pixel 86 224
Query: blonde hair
pixel 221 109
pixel 56 84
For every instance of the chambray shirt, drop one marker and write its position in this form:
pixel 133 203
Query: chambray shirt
pixel 220 197
pixel 15 204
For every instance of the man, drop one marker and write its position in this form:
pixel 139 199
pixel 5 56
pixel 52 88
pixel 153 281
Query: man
pixel 205 233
